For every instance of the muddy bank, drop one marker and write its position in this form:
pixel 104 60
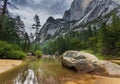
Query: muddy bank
pixel 88 79
pixel 6 65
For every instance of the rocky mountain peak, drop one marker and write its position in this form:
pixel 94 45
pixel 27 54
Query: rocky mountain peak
pixel 50 20
pixel 80 8
pixel 77 10
pixel 80 13
pixel 96 9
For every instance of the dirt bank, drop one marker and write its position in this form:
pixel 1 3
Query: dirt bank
pixel 92 79
pixel 95 80
pixel 6 65
pixel 115 61
pixel 107 80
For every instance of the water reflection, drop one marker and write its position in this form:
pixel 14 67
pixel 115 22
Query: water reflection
pixel 26 77
pixel 44 71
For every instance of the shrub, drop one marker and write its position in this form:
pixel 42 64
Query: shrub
pixel 10 51
pixel 38 53
pixel 16 54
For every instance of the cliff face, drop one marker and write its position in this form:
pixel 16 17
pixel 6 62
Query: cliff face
pixel 98 8
pixel 78 9
pixel 80 13
pixel 53 28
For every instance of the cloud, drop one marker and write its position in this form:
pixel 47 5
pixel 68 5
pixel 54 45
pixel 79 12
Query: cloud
pixel 44 9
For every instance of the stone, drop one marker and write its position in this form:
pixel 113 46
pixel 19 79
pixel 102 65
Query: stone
pixel 83 62
pixel 88 63
pixel 113 69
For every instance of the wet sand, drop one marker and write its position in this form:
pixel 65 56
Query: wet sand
pixel 115 61
pixel 107 80
pixel 95 80
pixel 6 65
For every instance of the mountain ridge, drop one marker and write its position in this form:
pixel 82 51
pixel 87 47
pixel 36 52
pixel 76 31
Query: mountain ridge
pixel 75 17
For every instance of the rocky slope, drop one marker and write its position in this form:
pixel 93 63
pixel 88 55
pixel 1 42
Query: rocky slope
pixel 53 27
pixel 81 12
pixel 78 9
pixel 99 8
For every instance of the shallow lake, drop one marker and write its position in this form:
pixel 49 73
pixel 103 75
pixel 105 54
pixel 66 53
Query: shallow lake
pixel 44 71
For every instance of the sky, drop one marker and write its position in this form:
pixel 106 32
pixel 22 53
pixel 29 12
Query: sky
pixel 44 8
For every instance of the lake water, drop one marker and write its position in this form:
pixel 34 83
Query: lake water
pixel 44 71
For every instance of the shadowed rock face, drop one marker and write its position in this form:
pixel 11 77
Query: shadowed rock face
pixel 83 62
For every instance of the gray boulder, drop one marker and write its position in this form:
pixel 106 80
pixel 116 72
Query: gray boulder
pixel 88 63
pixel 83 62
pixel 113 69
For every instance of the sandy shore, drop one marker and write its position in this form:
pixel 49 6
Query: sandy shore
pixel 115 61
pixel 6 65
pixel 95 80
pixel 107 80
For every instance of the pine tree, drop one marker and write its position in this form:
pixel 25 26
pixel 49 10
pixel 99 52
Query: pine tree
pixel 114 34
pixel 3 12
pixel 103 39
pixel 20 27
pixel 90 32
pixel 26 43
pixel 36 26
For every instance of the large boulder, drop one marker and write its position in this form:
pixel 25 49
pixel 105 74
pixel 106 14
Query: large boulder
pixel 83 62
pixel 88 63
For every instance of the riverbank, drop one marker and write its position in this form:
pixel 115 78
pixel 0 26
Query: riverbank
pixel 6 65
pixel 95 80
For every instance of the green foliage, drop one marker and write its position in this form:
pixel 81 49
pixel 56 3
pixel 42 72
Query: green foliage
pixel 76 44
pixel 34 47
pixel 108 40
pixel 10 51
pixel 16 54
pixel 97 54
pixel 38 53
pixel 26 43
pixel 62 44
pixel 110 37
pixel 8 32
pixel 103 40
pixel 90 32
pixel 92 43
pixel 13 32
pixel 117 48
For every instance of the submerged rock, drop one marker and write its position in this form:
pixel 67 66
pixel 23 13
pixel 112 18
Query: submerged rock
pixel 88 63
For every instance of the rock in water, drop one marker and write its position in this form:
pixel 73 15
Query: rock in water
pixel 83 62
